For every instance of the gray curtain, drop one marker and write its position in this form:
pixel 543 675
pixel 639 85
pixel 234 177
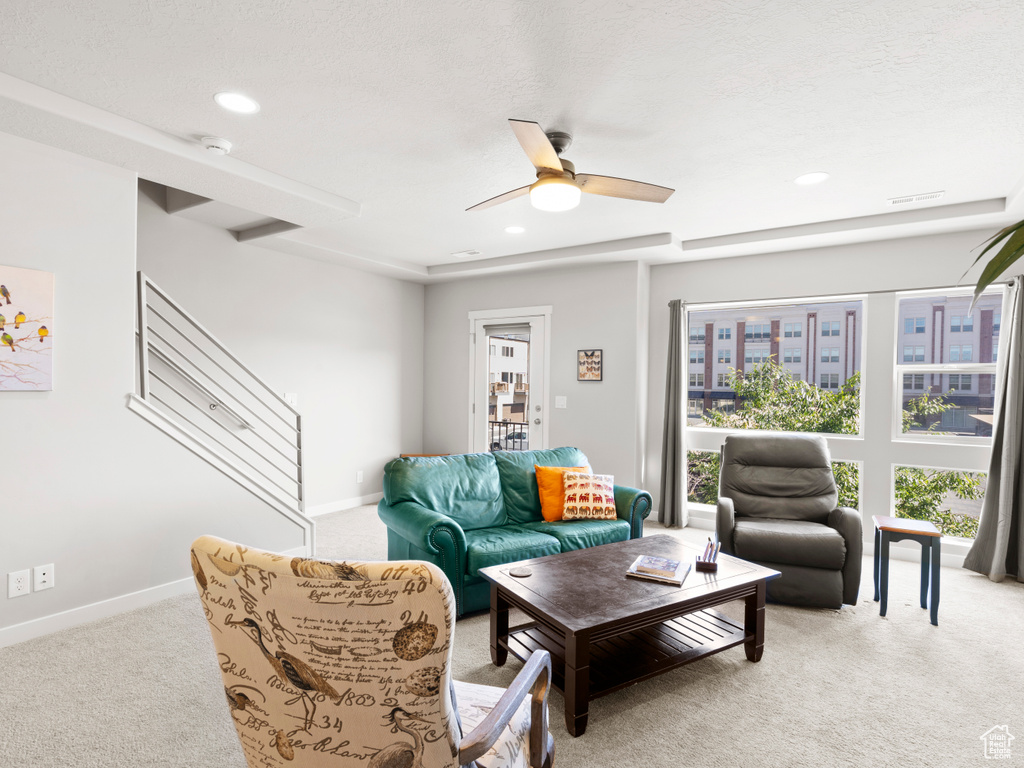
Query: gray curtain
pixel 672 495
pixel 997 549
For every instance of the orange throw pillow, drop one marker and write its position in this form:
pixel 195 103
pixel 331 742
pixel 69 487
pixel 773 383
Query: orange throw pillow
pixel 552 492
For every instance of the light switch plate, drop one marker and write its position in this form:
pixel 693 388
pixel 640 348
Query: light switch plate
pixel 559 401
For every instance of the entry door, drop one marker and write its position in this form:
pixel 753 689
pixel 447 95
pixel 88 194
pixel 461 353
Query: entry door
pixel 508 409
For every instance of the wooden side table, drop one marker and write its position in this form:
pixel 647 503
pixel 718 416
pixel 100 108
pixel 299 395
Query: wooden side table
pixel 889 529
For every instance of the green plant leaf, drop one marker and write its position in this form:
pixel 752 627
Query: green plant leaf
pixel 1012 250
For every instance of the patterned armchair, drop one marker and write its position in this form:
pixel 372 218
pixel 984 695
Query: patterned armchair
pixel 349 663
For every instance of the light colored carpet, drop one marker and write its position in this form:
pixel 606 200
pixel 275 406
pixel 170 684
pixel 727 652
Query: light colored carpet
pixel 843 687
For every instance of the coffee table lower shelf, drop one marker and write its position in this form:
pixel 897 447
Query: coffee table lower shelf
pixel 623 659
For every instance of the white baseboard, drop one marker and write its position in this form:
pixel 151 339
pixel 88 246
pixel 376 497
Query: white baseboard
pixel 342 504
pixel 73 617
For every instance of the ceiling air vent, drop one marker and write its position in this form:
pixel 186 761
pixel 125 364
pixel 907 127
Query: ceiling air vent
pixel 915 198
pixel 466 254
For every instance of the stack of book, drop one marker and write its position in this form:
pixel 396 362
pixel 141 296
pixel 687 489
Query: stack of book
pixel 659 569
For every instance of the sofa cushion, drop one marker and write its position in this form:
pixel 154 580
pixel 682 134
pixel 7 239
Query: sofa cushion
pixel 791 542
pixel 497 546
pixel 519 480
pixel 465 487
pixel 580 534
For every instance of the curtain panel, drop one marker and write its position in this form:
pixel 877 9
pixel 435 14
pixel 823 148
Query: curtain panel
pixel 996 551
pixel 672 494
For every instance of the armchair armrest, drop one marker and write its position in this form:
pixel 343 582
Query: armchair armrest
pixel 850 525
pixel 725 522
pixel 431 531
pixel 633 506
pixel 534 678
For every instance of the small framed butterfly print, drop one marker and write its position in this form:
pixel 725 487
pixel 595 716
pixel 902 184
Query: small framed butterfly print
pixel 588 365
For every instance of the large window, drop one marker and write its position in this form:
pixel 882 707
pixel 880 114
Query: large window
pixel 779 364
pixel 960 379
pixel 930 464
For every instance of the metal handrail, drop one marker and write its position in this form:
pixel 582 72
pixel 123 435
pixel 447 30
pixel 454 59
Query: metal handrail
pixel 202 367
pixel 198 385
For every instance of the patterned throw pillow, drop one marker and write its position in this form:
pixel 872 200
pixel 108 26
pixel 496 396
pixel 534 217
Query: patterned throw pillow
pixel 588 497
pixel 550 488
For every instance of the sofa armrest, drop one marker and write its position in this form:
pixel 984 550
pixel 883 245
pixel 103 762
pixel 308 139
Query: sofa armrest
pixel 725 522
pixel 850 525
pixel 431 531
pixel 633 506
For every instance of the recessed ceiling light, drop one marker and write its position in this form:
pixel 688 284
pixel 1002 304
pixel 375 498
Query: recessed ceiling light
pixel 515 230
pixel 811 178
pixel 236 102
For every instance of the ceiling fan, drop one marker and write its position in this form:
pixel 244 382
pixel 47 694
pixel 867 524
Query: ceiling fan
pixel 558 186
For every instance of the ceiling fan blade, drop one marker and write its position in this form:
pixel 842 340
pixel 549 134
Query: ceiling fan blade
pixel 611 186
pixel 503 198
pixel 536 145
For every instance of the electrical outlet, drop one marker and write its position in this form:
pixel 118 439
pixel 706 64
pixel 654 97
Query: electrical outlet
pixel 18 583
pixel 42 577
pixel 359 476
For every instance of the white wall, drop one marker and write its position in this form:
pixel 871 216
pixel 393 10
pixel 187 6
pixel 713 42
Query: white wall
pixel 894 265
pixel 595 307
pixel 86 484
pixel 349 343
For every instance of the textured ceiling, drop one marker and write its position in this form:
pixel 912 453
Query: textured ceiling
pixel 398 110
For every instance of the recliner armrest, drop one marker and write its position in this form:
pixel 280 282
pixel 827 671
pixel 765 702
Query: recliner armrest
pixel 633 506
pixel 725 522
pixel 851 527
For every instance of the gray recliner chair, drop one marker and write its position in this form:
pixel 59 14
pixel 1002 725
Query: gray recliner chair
pixel 777 507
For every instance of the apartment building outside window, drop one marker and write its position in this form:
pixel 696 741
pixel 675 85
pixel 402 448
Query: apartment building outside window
pixel 696 356
pixel 696 381
pixel 913 381
pixel 961 353
pixel 757 356
pixel 913 354
pixel 960 381
pixel 792 355
pixel 697 335
pixel 830 354
pixel 725 355
pixel 830 381
pixel 724 333
pixel 723 380
pixel 913 325
pixel 830 328
pixel 792 330
pixel 758 332
pixel 961 323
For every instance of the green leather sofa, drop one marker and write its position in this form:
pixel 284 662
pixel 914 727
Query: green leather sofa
pixel 469 511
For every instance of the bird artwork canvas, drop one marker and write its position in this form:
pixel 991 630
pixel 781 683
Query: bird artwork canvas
pixel 27 329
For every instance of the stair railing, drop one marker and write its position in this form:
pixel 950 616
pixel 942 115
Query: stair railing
pixel 194 389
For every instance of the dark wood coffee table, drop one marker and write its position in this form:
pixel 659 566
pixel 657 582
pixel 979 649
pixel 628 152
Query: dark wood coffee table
pixel 606 631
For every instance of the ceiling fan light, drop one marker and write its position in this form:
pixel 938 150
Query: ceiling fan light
pixel 554 193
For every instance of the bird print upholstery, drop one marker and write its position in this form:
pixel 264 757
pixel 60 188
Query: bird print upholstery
pixel 343 663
